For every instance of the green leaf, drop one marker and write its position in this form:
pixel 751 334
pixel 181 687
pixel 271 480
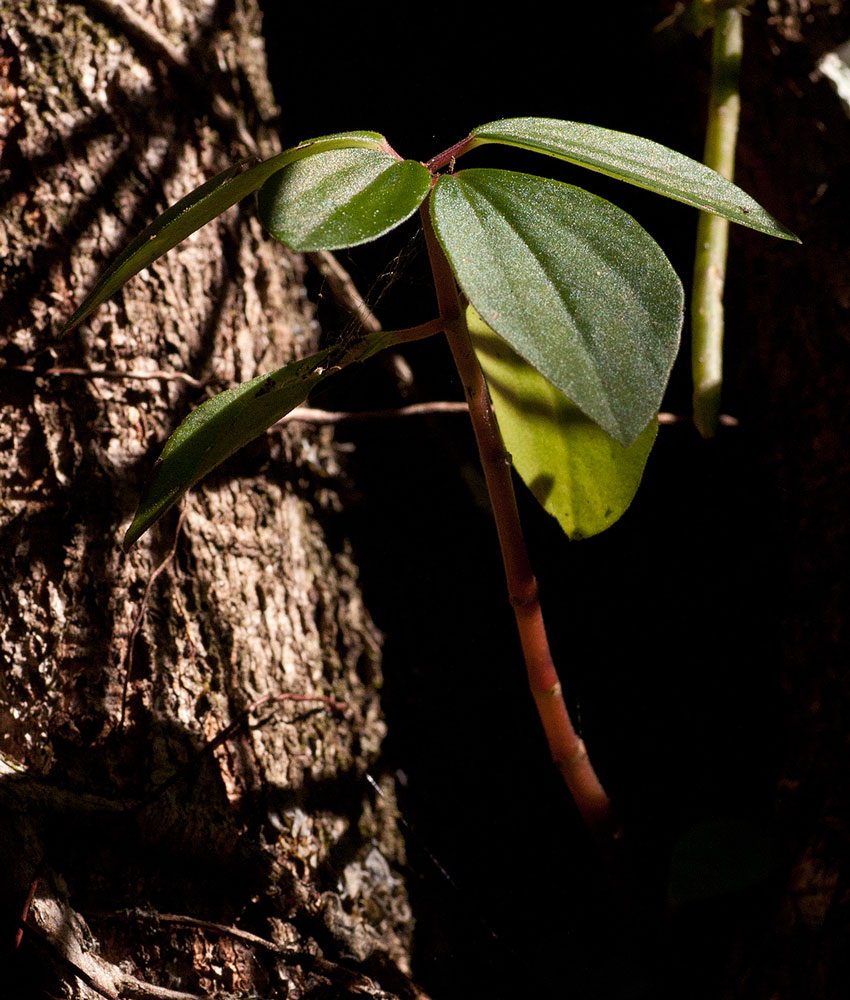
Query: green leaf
pixel 577 472
pixel 218 428
pixel 341 198
pixel 222 425
pixel 638 161
pixel 572 283
pixel 720 857
pixel 201 206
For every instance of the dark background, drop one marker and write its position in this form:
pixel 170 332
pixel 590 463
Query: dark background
pixel 702 639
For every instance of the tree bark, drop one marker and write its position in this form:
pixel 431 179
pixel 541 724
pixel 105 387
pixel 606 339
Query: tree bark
pixel 151 860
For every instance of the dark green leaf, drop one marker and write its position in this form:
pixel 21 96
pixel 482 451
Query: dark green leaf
pixel 341 198
pixel 638 161
pixel 577 472
pixel 720 857
pixel 572 283
pixel 201 206
pixel 216 429
pixel 223 424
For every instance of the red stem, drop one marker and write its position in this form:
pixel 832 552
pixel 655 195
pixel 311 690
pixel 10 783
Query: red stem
pixel 19 934
pixel 568 750
pixel 452 153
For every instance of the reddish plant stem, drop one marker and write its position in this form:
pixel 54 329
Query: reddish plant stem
pixel 568 750
pixel 19 933
pixel 452 153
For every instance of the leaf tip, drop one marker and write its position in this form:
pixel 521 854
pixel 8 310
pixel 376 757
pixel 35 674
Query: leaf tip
pixel 783 232
pixel 131 535
pixel 71 324
pixel 760 220
pixel 143 520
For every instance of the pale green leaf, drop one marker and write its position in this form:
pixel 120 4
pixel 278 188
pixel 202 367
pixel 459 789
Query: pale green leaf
pixel 577 472
pixel 572 283
pixel 341 198
pixel 636 160
pixel 201 206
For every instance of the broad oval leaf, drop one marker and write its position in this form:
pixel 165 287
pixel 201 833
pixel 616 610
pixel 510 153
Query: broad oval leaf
pixel 577 472
pixel 341 198
pixel 201 206
pixel 722 856
pixel 220 426
pixel 572 283
pixel 638 161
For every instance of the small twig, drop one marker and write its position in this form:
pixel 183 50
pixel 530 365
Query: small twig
pixel 47 941
pixel 19 934
pixel 137 621
pixel 109 374
pixel 344 290
pixel 232 727
pixel 348 297
pixel 712 230
pixel 293 956
pixel 182 920
pixel 142 31
pixel 307 415
pixel 136 989
pixel 269 699
pixel 346 353
pixel 122 985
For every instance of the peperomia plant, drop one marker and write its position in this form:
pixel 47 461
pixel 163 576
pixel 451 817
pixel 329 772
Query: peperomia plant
pixel 563 316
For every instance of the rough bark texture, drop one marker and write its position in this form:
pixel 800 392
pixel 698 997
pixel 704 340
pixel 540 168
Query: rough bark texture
pixel 107 804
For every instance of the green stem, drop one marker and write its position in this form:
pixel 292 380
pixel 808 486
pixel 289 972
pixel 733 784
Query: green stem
pixel 568 750
pixel 713 231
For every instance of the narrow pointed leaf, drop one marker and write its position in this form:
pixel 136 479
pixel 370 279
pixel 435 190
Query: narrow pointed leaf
pixel 201 206
pixel 220 426
pixel 638 161
pixel 341 198
pixel 572 283
pixel 577 472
